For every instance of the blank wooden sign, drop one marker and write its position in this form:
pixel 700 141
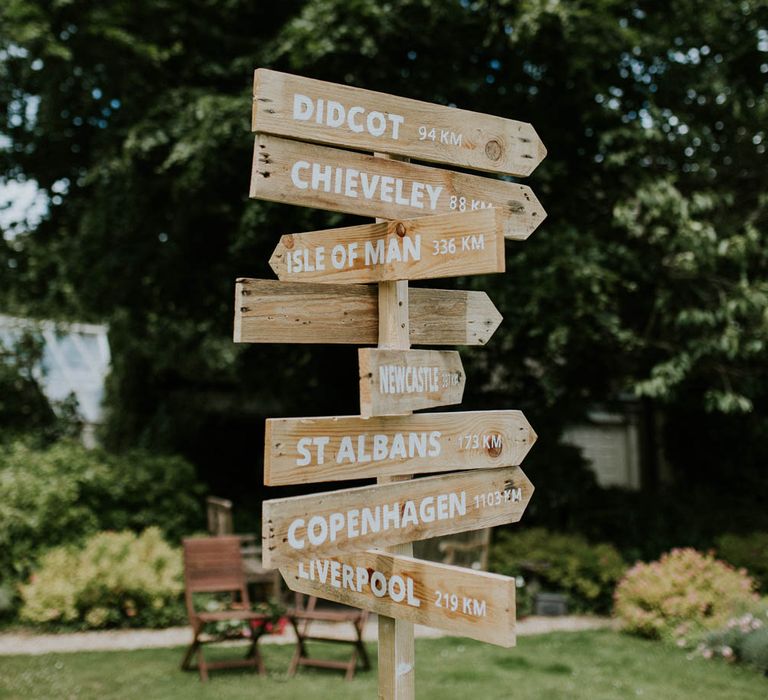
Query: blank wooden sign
pixel 446 245
pixel 336 522
pixel 314 110
pixel 267 311
pixel 474 604
pixel 400 381
pixel 305 450
pixel 300 173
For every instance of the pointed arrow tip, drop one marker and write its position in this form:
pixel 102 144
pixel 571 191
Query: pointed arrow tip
pixel 483 318
pixel 528 487
pixel 277 261
pixel 541 150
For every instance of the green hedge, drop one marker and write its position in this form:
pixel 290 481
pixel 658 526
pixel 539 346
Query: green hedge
pixel 63 493
pixel 586 572
pixel 749 552
pixel 115 579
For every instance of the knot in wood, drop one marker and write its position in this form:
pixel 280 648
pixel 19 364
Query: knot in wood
pixel 494 447
pixel 288 241
pixel 400 229
pixel 494 149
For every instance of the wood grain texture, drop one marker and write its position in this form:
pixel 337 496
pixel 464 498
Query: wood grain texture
pixel 491 619
pixel 446 245
pixel 268 311
pixel 340 522
pixel 300 173
pixel 454 136
pixel 396 649
pixel 396 381
pixel 306 450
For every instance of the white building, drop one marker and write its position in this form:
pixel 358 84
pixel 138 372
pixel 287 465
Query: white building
pixel 75 361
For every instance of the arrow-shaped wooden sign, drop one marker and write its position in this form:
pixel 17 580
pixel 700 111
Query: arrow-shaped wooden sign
pixel 304 450
pixel 399 381
pixel 328 178
pixel 337 522
pixel 314 110
pixel 474 604
pixel 268 311
pixel 446 245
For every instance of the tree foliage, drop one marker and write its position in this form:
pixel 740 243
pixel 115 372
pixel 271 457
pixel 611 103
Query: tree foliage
pixel 649 278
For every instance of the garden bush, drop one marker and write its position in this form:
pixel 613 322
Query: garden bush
pixel 114 579
pixel 62 493
pixel 749 552
pixel 681 595
pixel 569 563
pixel 744 638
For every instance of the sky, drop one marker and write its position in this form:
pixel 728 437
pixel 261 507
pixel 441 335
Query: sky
pixel 22 205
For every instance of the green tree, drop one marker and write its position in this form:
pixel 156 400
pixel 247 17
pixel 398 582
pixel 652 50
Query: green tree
pixel 647 279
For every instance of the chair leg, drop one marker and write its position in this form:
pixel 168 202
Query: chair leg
pixel 255 653
pixel 351 666
pixel 202 666
pixel 360 645
pixel 299 652
pixel 185 664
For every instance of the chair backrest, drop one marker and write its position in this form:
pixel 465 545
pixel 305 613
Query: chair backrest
pixel 213 565
pixel 467 549
pixel 219 512
pixel 304 603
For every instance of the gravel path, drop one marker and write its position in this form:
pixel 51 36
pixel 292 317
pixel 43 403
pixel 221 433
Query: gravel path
pixel 28 643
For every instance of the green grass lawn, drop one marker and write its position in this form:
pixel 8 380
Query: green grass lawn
pixel 590 665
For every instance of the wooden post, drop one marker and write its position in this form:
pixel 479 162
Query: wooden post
pixel 397 671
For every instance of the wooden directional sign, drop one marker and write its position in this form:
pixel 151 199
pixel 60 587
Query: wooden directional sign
pixel 474 604
pixel 304 450
pixel 313 110
pixel 399 381
pixel 446 245
pixel 337 522
pixel 267 311
pixel 328 178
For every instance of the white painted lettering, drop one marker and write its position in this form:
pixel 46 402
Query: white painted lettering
pixel 302 107
pixel 298 182
pixel 433 193
pixel 293 541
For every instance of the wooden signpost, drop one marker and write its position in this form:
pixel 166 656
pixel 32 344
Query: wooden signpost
pixel 267 311
pixel 339 522
pixel 328 178
pixel 446 245
pixel 436 223
pixel 474 604
pixel 317 111
pixel 305 450
pixel 393 381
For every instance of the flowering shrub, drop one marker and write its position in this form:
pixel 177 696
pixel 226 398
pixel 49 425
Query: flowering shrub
pixel 114 579
pixel 744 638
pixel 681 595
pixel 274 623
pixel 63 493
pixel 569 563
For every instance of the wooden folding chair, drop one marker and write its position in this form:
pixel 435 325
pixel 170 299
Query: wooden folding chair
pixel 215 565
pixel 304 614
